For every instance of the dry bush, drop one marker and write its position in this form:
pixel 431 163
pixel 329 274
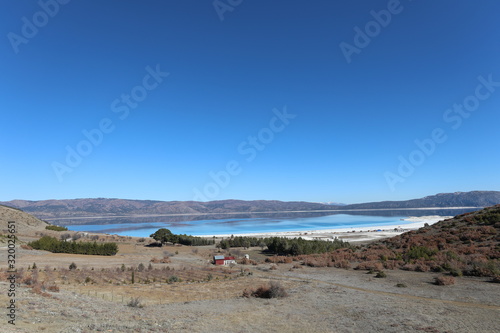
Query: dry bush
pixel 342 264
pixel 29 280
pixel 40 290
pixel 165 260
pixel 342 254
pixel 246 261
pixel 135 303
pixel 296 266
pixel 273 267
pixel 246 293
pixel 53 288
pixel 422 268
pixel 26 247
pixel 392 264
pixel 444 280
pixel 370 265
pixel 318 260
pixel 279 259
pixel 273 290
pixel 276 290
pixel 495 279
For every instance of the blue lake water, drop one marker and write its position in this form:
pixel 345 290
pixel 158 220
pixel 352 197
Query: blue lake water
pixel 264 223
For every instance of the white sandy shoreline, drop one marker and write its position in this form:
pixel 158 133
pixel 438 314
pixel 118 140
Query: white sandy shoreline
pixel 352 234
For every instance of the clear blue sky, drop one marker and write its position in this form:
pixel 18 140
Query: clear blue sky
pixel 350 105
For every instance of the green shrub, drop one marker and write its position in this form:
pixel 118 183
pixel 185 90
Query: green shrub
pixel 418 252
pixel 456 272
pixel 52 244
pixel 173 279
pixel 56 228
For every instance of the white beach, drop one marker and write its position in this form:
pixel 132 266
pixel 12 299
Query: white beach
pixel 354 234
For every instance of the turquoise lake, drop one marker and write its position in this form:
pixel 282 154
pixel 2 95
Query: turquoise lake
pixel 246 223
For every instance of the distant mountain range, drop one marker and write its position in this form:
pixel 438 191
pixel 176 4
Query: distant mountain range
pixel 457 199
pixel 122 207
pixel 49 209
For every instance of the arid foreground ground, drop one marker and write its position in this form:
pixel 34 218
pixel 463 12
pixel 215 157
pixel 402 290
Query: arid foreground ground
pixel 95 296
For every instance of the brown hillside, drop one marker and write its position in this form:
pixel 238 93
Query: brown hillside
pixel 468 244
pixel 25 223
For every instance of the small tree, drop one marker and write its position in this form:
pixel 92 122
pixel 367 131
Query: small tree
pixel 163 236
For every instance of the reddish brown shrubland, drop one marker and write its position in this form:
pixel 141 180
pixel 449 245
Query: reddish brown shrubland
pixel 370 265
pixel 462 245
pixel 279 259
pixel 317 262
pixel 392 264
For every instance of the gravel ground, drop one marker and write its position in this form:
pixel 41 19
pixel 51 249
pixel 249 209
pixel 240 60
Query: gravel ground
pixel 320 300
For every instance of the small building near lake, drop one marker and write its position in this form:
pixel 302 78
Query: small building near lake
pixel 224 261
